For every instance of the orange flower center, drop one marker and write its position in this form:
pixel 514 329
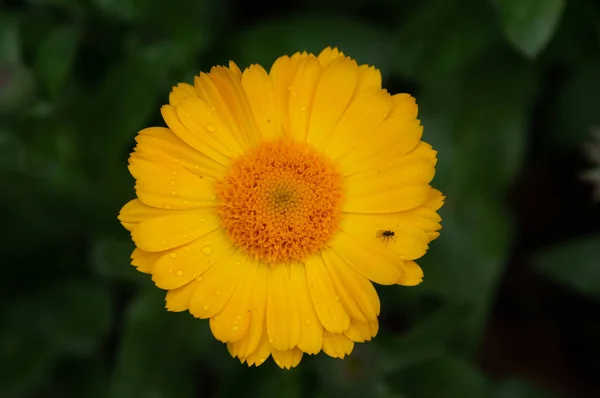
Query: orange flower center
pixel 281 202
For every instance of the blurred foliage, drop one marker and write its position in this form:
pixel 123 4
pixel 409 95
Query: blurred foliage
pixel 79 78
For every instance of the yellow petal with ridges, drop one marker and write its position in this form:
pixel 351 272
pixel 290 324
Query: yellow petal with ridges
pixel 185 263
pixel 332 96
pixel 145 261
pixel 311 329
pixel 337 345
pixel 164 143
pixel 169 114
pixel 161 183
pixel 164 233
pixel 302 91
pixel 249 342
pixel 328 55
pixel 181 92
pixel 282 74
pixel 235 317
pixel 360 332
pixel 357 294
pixel 178 300
pixel 216 285
pixel 287 359
pixel 135 211
pixel 412 276
pixel 283 319
pixel 258 88
pixel 369 78
pixel 260 354
pixel 324 297
pixel 366 109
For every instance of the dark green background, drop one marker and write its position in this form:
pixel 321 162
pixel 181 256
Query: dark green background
pixel 508 90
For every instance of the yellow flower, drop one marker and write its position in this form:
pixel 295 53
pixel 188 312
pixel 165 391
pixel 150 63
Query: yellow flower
pixel 273 200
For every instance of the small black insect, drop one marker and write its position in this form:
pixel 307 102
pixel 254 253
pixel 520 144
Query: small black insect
pixel 386 235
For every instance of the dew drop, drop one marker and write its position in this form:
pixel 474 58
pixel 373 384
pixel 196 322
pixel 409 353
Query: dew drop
pixel 200 278
pixel 207 250
pixel 176 160
pixel 179 273
pixel 307 321
pixel 170 270
pixel 173 193
pixel 206 307
pixel 238 263
pixel 278 362
pixel 210 127
pixel 235 328
pixel 173 181
pixel 187 248
pixel 271 341
pixel 261 360
pixel 217 318
pixel 218 292
pixel 174 173
pixel 239 317
pixel 303 108
pixel 203 220
pixel 337 298
pixel 173 254
pixel 253 307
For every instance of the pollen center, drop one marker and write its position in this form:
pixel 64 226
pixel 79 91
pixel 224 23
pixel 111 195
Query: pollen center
pixel 281 202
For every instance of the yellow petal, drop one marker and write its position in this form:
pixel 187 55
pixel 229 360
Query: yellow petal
pixel 162 142
pixel 181 265
pixel 260 354
pixel 160 183
pixel 337 345
pixel 222 89
pixel 283 319
pixel 422 218
pixel 135 212
pixel 302 91
pixel 382 144
pixel 178 300
pixel 216 285
pixel 234 318
pixel 287 359
pixel 163 233
pixel 360 332
pixel 249 342
pixel 369 78
pixel 366 109
pixel 169 114
pixel 404 104
pixel 202 122
pixel 282 73
pixel 435 200
pixel 257 85
pixel 181 92
pixel 408 242
pixel 357 294
pixel 311 329
pixel 328 55
pixel 412 276
pixel 368 259
pixel 332 96
pixel 144 261
pixel 382 196
pixel 324 297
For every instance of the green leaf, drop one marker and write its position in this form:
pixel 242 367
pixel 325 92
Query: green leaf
pixel 366 43
pixel 529 24
pixel 158 350
pixel 574 265
pixel 55 58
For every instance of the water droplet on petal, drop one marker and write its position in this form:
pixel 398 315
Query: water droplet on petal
pixel 271 341
pixel 203 220
pixel 173 181
pixel 200 278
pixel 235 328
pixel 174 173
pixel 278 362
pixel 217 318
pixel 187 248
pixel 261 360
pixel 207 250
pixel 239 317
pixel 210 127
pixel 307 321
pixel 218 292
pixel 206 307
pixel 170 270
pixel 303 109
pixel 238 263
pixel 337 298
pixel 173 254
pixel 179 273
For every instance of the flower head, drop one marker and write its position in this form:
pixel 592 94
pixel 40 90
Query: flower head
pixel 273 200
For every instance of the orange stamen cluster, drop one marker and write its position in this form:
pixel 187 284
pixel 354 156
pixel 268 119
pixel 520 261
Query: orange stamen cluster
pixel 281 202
